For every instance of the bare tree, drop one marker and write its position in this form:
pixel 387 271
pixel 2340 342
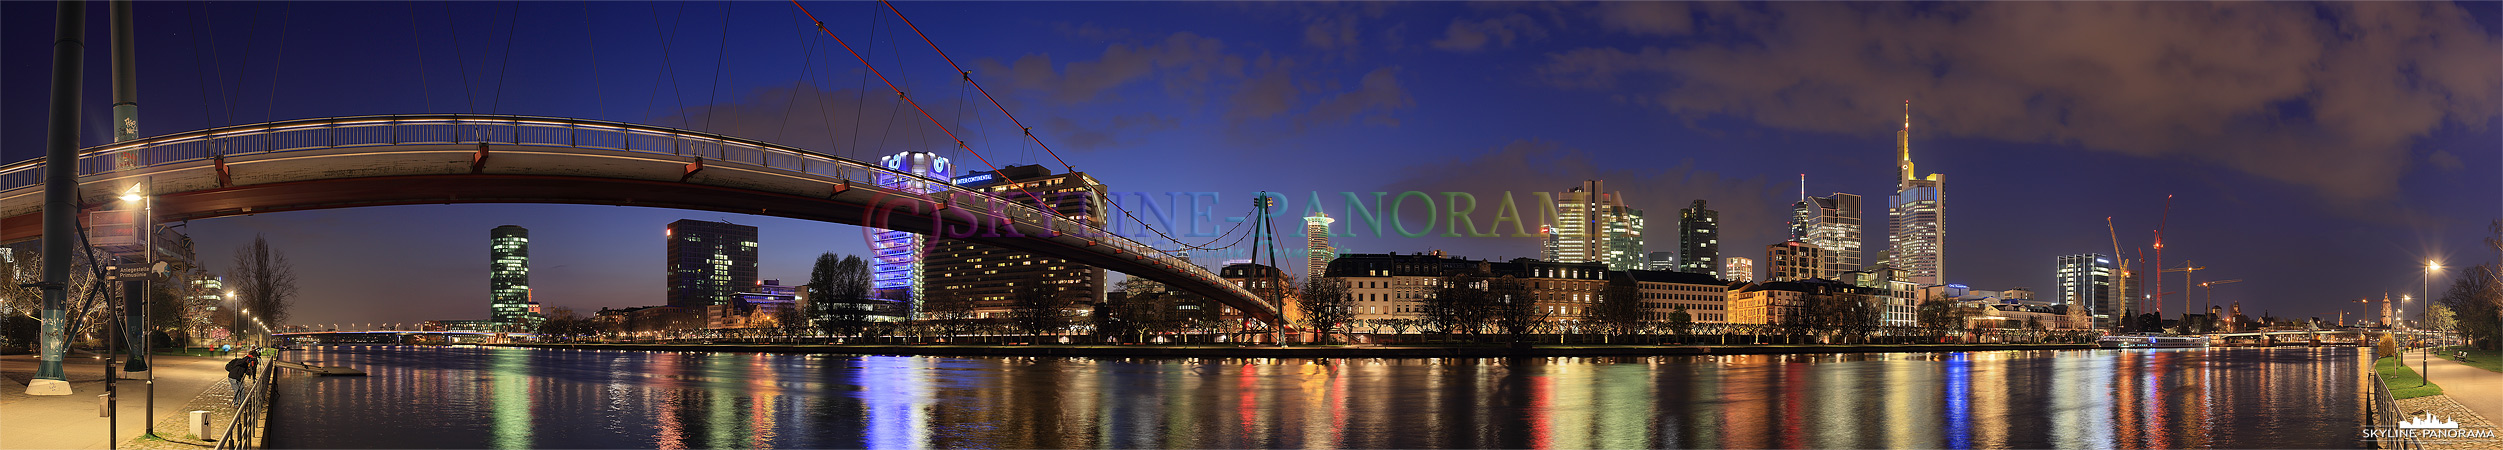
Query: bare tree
pixel 1326 306
pixel 1037 310
pixel 839 294
pixel 949 314
pixel 1619 309
pixel 264 283
pixel 1516 310
pixel 1458 304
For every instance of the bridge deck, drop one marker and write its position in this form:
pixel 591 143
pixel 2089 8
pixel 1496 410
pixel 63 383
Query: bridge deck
pixel 351 162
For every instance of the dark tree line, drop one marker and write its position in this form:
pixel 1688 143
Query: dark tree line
pixel 839 295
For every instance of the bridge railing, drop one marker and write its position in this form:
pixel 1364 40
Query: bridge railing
pixel 458 129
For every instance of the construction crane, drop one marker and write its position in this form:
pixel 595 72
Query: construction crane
pixel 2211 302
pixel 2190 270
pixel 2159 259
pixel 2121 263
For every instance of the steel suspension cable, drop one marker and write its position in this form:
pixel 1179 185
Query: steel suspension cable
pixel 496 104
pixel 1003 109
pixel 899 93
pixel 269 112
pixel 808 49
pixel 712 107
pixel 593 42
pixel 459 62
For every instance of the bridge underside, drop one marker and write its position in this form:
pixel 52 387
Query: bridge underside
pixel 857 205
pixel 787 184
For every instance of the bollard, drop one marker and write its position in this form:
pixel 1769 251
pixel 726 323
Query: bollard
pixel 200 424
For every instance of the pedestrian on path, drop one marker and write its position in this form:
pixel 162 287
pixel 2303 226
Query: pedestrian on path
pixel 237 370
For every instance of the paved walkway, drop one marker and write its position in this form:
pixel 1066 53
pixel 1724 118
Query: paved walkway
pixel 71 422
pixel 2478 389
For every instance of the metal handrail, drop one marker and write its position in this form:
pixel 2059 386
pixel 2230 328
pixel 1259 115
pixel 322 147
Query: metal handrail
pixel 389 130
pixel 2384 414
pixel 247 421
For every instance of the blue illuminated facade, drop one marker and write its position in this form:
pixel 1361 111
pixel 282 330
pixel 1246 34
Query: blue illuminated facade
pixel 896 275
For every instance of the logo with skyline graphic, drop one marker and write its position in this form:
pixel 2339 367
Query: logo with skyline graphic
pixel 2427 421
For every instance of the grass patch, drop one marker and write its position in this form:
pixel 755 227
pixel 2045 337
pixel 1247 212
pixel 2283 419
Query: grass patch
pixel 2482 359
pixel 2403 380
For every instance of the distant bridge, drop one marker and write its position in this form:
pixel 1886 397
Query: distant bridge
pixel 2348 335
pixel 348 162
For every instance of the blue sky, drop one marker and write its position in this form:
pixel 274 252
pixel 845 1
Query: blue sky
pixel 2319 151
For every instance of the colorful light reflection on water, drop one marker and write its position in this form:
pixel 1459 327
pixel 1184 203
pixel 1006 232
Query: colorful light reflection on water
pixel 469 397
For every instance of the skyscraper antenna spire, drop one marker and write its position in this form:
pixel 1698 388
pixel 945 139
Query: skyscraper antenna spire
pixel 1803 187
pixel 1903 146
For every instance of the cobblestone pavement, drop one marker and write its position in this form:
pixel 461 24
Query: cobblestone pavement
pixel 2448 409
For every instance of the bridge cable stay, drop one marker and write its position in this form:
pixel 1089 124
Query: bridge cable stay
pixel 594 42
pixel 860 95
pixel 229 98
pixel 496 103
pixel 712 101
pixel 269 112
pixel 808 50
pixel 907 99
pixel 960 143
pixel 668 65
pixel 208 112
pixel 459 62
pixel 423 94
pixel 1003 109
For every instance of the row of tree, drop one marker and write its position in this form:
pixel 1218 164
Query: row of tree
pixel 261 277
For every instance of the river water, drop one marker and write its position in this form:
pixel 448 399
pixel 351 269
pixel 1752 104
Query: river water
pixel 477 397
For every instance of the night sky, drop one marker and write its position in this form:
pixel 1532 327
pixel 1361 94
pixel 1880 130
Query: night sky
pixel 2319 151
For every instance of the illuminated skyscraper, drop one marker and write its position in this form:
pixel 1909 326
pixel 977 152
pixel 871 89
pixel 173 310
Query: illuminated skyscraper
pixel 1698 239
pixel 2090 281
pixel 710 263
pixel 1317 251
pixel 508 277
pixel 1831 223
pixel 1593 225
pixel 1918 238
pixel 897 258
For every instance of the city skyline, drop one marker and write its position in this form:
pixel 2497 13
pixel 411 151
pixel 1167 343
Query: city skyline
pixel 1401 87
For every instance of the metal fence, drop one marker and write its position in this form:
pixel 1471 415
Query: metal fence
pixel 374 131
pixel 2382 413
pixel 243 431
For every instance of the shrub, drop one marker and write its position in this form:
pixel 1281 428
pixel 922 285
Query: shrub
pixel 2388 347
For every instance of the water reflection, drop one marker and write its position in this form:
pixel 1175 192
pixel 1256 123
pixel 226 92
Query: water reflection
pixel 429 397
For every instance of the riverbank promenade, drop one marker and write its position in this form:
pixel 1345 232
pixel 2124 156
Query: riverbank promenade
pixel 71 421
pixel 2480 390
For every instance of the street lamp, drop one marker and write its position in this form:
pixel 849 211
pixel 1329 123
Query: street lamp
pixel 2431 266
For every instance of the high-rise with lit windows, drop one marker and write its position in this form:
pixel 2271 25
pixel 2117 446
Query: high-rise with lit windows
pixel 1594 225
pixel 710 263
pixel 1698 239
pixel 1317 251
pixel 1831 223
pixel 1917 240
pixel 985 277
pixel 897 258
pixel 2089 281
pixel 508 277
